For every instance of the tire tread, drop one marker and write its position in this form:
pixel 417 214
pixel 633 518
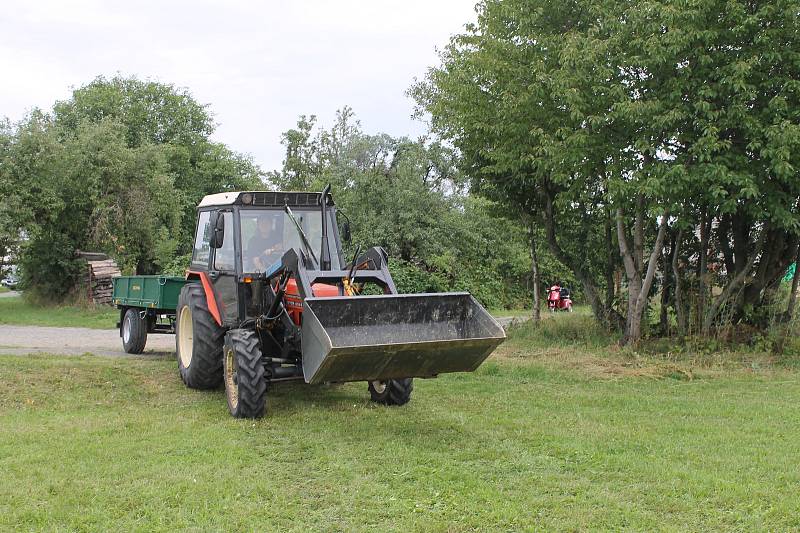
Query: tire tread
pixel 205 371
pixel 251 376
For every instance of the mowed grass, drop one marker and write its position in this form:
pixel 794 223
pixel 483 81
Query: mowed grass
pixel 18 311
pixel 527 442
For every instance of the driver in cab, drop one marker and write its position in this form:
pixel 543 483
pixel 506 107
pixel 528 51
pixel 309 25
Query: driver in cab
pixel 266 246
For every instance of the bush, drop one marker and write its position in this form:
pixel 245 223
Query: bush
pixel 178 266
pixel 48 267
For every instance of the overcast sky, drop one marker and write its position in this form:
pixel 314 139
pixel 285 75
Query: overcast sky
pixel 258 64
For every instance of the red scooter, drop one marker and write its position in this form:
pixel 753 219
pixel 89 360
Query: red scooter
pixel 558 299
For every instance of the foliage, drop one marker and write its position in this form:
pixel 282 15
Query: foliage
pixel 408 197
pixel 651 117
pixel 178 266
pixel 119 168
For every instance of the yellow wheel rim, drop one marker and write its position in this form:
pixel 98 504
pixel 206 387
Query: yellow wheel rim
pixel 230 378
pixel 185 336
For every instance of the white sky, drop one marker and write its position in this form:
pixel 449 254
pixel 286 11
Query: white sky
pixel 258 64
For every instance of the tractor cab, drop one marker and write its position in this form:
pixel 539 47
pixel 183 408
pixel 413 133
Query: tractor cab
pixel 241 236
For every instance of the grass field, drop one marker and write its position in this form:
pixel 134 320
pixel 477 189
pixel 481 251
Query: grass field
pixel 563 436
pixel 17 311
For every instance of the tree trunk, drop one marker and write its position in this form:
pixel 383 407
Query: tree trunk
pixel 702 274
pixel 665 286
pixel 680 312
pixel 638 287
pixel 610 267
pixel 535 273
pixel 713 311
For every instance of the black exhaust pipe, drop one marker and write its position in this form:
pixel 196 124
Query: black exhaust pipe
pixel 325 252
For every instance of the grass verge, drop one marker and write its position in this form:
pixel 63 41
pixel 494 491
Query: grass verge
pixel 526 442
pixel 18 311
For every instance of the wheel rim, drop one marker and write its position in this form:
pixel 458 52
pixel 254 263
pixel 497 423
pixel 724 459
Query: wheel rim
pixel 379 386
pixel 126 330
pixel 185 336
pixel 231 388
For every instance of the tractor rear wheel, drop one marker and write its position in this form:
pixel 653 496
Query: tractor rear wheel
pixel 245 377
pixel 134 331
pixel 391 391
pixel 198 340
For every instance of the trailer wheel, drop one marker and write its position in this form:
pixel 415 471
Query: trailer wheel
pixel 245 377
pixel 391 391
pixel 198 340
pixel 133 331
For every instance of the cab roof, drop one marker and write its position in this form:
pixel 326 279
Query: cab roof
pixel 276 199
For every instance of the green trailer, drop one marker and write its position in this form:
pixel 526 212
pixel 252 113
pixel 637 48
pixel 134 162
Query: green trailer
pixel 146 305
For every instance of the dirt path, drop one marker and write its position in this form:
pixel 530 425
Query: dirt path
pixel 20 340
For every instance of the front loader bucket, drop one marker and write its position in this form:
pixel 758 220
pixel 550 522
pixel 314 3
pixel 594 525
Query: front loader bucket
pixel 366 338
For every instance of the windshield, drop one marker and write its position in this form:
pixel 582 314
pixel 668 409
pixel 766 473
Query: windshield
pixel 267 233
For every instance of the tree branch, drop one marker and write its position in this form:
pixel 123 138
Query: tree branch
pixel 713 311
pixel 624 247
pixel 652 264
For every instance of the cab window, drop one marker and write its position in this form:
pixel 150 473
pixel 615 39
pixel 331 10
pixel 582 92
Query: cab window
pixel 202 239
pixel 224 256
pixel 266 234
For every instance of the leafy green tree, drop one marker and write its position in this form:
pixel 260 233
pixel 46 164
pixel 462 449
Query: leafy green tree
pixel 507 96
pixel 641 114
pixel 118 168
pixel 409 197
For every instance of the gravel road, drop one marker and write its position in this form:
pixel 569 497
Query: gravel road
pixel 21 340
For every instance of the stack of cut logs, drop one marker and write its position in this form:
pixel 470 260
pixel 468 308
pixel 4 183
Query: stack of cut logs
pixel 99 280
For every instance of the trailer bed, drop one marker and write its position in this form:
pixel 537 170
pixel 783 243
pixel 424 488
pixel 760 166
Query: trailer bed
pixel 159 293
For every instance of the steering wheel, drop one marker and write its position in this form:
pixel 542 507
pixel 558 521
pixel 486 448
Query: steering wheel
pixel 266 258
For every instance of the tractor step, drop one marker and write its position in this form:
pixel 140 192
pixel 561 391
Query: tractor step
pixel 367 338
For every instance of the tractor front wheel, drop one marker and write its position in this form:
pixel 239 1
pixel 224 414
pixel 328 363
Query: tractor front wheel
pixel 198 340
pixel 391 391
pixel 245 377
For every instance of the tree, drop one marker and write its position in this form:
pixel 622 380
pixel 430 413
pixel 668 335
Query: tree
pixel 651 114
pixel 508 95
pixel 118 168
pixel 409 197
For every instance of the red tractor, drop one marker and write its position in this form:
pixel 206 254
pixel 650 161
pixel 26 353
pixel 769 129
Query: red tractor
pixel 272 298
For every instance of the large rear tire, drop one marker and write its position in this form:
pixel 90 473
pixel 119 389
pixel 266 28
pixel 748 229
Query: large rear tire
pixel 245 377
pixel 198 340
pixel 133 331
pixel 391 391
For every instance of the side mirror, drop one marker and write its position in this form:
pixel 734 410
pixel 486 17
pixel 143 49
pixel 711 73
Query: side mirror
pixel 217 223
pixel 346 236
